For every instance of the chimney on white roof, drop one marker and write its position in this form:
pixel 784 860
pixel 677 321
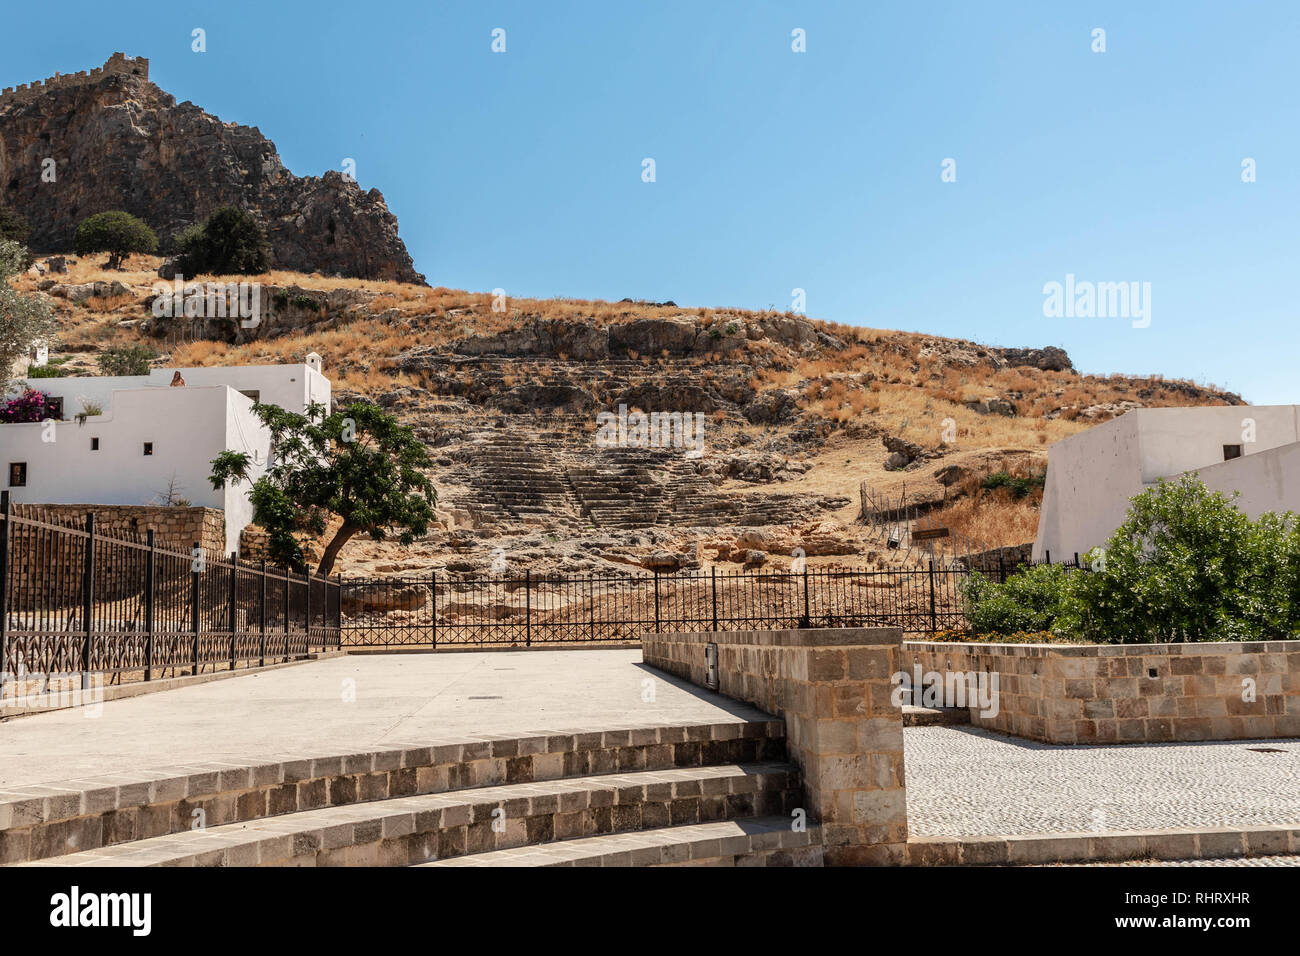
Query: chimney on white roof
pixel 313 361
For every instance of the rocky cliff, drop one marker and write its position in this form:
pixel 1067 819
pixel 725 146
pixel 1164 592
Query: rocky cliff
pixel 118 141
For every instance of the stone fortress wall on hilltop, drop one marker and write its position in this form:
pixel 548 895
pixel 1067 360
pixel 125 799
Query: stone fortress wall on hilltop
pixel 117 63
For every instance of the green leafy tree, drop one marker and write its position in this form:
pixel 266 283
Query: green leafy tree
pixel 25 319
pixel 117 233
pixel 14 227
pixel 1187 565
pixel 357 464
pixel 230 242
pixel 126 360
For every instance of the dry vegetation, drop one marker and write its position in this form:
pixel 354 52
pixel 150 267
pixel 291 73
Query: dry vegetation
pixel 907 385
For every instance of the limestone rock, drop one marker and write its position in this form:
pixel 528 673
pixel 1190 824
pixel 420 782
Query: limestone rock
pixel 123 143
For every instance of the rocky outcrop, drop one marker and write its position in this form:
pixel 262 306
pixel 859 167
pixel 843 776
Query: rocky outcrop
pixel 1049 359
pixel 117 141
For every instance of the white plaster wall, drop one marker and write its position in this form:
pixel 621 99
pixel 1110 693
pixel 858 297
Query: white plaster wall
pixel 1090 478
pixel 1175 440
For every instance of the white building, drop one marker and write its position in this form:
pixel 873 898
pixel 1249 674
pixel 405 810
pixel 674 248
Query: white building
pixel 1092 475
pixel 127 440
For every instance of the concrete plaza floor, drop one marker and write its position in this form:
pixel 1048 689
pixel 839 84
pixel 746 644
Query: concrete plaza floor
pixel 396 700
pixel 963 781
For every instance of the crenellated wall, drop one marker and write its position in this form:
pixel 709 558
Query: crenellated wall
pixel 117 63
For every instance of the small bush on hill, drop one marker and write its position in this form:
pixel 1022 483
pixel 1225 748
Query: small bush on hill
pixel 126 360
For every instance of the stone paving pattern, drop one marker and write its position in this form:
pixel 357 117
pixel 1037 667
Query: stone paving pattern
pixel 972 782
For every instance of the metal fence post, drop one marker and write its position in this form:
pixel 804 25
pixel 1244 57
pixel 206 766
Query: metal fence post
pixel 433 611
pixel 261 610
pixel 934 624
pixel 195 607
pixel 150 575
pixel 88 599
pixel 656 602
pixel 528 608
pixel 7 507
pixel 338 609
pixel 288 583
pixel 713 581
pixel 234 585
pixel 307 608
pixel 807 615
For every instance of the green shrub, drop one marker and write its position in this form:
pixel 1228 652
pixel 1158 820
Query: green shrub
pixel 117 233
pixel 46 371
pixel 1187 565
pixel 1019 486
pixel 126 360
pixel 1034 600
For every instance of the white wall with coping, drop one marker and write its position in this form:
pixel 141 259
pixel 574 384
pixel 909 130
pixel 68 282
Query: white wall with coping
pixel 292 387
pixel 188 427
pixel 1092 475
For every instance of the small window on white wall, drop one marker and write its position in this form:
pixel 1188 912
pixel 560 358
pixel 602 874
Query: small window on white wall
pixel 148 448
pixel 17 474
pixel 94 444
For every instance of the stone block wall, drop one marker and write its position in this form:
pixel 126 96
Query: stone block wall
pixel 117 63
pixel 832 689
pixel 1131 693
pixel 47 566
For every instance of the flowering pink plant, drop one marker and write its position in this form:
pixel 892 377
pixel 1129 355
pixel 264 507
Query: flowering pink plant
pixel 30 406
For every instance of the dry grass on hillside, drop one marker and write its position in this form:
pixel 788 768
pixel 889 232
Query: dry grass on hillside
pixel 904 379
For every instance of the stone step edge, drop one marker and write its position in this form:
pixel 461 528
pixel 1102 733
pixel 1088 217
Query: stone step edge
pixel 280 840
pixel 1110 845
pixel 662 846
pixel 35 821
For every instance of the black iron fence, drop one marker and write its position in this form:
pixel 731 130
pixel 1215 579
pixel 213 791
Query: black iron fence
pixel 121 607
pixel 527 609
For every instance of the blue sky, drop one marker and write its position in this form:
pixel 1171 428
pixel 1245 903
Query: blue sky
pixel 778 170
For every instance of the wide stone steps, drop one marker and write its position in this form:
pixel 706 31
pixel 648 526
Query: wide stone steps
pixel 408 830
pixel 55 820
pixel 759 841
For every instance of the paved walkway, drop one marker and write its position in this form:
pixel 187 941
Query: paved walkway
pixel 398 699
pixel 970 782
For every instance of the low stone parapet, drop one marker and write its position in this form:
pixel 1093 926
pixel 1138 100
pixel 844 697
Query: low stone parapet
pixel 1128 693
pixel 833 688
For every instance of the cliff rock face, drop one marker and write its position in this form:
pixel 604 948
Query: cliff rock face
pixel 120 142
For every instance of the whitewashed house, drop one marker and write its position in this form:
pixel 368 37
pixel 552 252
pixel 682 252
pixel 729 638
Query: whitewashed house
pixel 129 440
pixel 1253 449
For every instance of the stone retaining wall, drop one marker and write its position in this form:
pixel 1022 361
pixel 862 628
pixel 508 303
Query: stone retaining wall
pixel 1130 693
pixel 832 688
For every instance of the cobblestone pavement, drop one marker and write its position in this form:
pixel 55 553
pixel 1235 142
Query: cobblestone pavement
pixel 1221 861
pixel 962 781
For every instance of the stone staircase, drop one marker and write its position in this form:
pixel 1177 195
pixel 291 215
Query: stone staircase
pixel 719 794
pixel 514 478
